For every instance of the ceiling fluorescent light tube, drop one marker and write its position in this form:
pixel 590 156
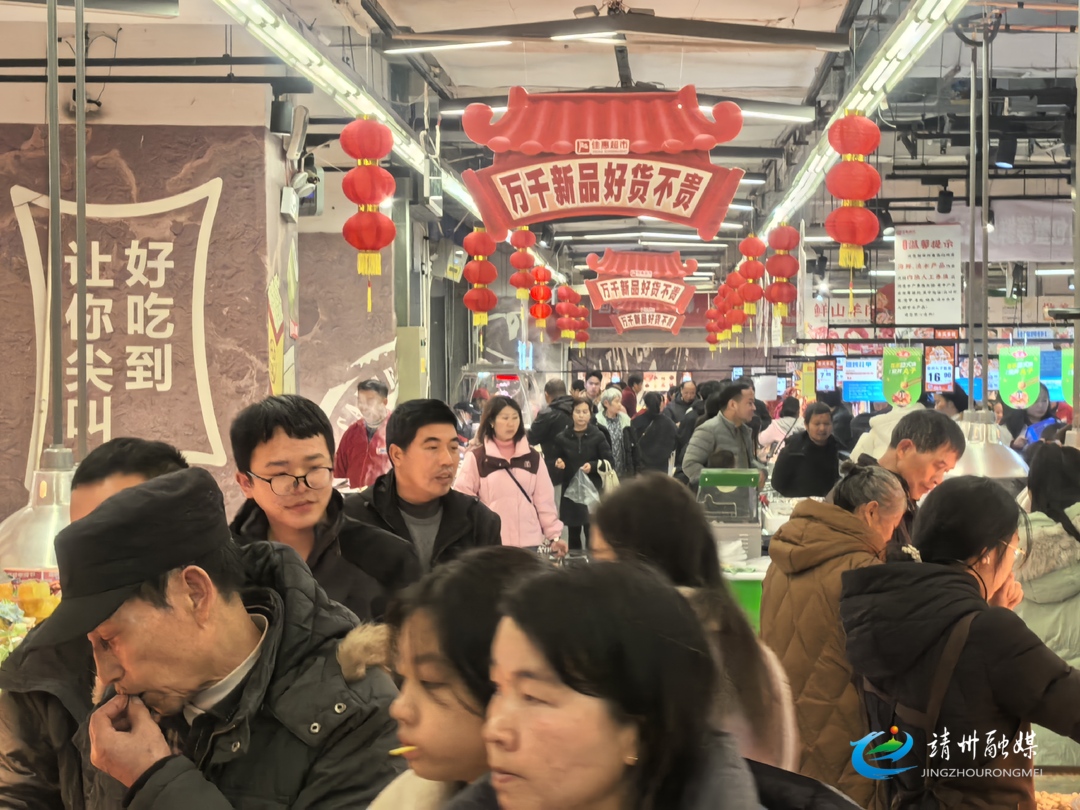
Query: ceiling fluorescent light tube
pixel 795 118
pixel 684 246
pixel 1057 271
pixel 599 36
pixel 752 181
pixel 455 46
pixel 735 207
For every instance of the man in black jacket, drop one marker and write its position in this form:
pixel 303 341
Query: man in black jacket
pixel 415 500
pixel 45 692
pixel 218 664
pixel 284 452
pixel 809 464
pixel 550 422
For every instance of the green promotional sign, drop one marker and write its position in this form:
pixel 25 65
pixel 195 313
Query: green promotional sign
pixel 901 375
pixel 1020 375
pixel 1067 375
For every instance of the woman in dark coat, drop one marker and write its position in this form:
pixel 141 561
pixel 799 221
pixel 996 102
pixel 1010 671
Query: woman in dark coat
pixel 656 436
pixel 939 653
pixel 580 447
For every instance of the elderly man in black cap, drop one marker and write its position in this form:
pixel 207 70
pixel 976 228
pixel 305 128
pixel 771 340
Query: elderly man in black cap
pixel 223 687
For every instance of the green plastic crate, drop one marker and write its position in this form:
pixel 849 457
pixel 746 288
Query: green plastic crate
pixel 747 593
pixel 722 477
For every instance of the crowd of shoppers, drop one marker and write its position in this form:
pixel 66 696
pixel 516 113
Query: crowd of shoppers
pixel 405 646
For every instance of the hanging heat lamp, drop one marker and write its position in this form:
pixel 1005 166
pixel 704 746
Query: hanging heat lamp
pixel 368 186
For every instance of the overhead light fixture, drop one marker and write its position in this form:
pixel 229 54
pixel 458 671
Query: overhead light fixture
pixel 684 245
pixel 883 272
pixel 752 180
pixel 817 239
pixel 452 46
pixel 944 201
pixel 1072 286
pixel 990 221
pixel 920 26
pixel 1006 152
pixel 328 74
pixel 457 112
pixel 823 286
pixel 603 38
pixel 708 264
pixel 1054 271
pixel 563 237
pixel 735 206
pixel 547 236
pixel 888 228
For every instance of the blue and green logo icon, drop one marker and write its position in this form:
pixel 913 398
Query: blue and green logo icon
pixel 865 759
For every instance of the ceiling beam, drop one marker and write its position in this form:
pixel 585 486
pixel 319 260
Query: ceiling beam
pixel 640 24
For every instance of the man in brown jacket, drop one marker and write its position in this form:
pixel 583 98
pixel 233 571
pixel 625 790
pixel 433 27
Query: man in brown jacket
pixel 800 616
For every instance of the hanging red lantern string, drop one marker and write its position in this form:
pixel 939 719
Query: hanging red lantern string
pixel 368 186
pixel 569 296
pixel 541 294
pixel 853 181
pixel 522 261
pixel 480 272
pixel 782 266
pixel 753 271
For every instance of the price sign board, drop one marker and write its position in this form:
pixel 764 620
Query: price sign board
pixel 826 375
pixel 940 361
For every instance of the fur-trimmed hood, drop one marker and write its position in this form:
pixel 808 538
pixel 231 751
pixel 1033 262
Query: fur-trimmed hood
pixel 365 647
pixel 1050 549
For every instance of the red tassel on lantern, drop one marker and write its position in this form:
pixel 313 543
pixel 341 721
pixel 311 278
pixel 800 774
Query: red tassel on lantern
pixel 368 186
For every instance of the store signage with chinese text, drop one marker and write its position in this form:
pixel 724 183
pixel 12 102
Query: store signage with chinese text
pixel 562 155
pixel 612 291
pixel 665 321
pixel 928 287
pixel 902 373
pixel 1020 369
pixel 826 375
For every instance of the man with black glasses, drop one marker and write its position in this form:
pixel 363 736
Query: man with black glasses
pixel 284 453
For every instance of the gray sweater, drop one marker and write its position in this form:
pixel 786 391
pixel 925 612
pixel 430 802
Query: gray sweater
pixel 719 434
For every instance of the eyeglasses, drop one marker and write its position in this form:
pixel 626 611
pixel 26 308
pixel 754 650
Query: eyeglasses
pixel 285 484
pixel 1018 552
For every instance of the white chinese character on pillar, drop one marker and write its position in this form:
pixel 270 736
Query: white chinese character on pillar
pixel 149 367
pixel 138 262
pixel 99 417
pixel 95 373
pixel 98 317
pixel 146 314
pixel 93 266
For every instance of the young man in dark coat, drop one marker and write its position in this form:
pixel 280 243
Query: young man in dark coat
pixel 218 664
pixel 416 499
pixel 45 692
pixel 284 452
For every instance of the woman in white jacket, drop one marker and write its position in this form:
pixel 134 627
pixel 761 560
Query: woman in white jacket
pixel 771 440
pixel 1050 574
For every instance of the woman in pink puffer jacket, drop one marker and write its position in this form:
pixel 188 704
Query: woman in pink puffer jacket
pixel 510 478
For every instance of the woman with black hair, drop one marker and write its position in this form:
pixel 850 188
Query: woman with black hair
pixel 580 448
pixel 1026 424
pixel 440 632
pixel 656 520
pixel 511 479
pixel 656 434
pixel 938 652
pixel 603 676
pixel 785 426
pixel 1050 573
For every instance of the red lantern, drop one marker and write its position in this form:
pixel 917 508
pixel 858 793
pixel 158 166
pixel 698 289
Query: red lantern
pixel 783 237
pixel 368 184
pixel 542 275
pixel 750 294
pixel 713 328
pixel 854 134
pixel 582 337
pixel 751 247
pixel 781 294
pixel 523 239
pixel 712 314
pixel 853 180
pixel 782 265
pixel 737 318
pixel 735 280
pixel 480 301
pixel 521 260
pixel 480 243
pixel 752 270
pixel 541 312
pixel 480 271
pixel 366 139
pixel 522 281
pixel 540 294
pixel 564 309
pixel 369 231
pixel 713 340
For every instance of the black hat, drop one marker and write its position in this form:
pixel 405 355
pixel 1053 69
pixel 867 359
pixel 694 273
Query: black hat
pixel 132 538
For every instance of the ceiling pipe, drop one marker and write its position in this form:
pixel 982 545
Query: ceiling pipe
pixel 168 61
pixel 282 85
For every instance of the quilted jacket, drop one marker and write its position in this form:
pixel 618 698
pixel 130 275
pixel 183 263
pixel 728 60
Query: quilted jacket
pixel 800 622
pixel 1050 576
